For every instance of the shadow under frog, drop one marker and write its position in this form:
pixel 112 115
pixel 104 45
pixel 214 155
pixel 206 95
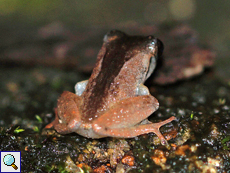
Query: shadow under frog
pixel 114 102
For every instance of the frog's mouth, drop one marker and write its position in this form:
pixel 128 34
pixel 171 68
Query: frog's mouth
pixel 152 66
pixel 159 47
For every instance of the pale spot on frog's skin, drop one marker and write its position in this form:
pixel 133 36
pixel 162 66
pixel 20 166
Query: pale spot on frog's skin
pixel 60 121
pixel 75 122
pixel 97 127
pixel 151 48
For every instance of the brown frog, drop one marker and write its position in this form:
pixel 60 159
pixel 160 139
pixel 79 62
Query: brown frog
pixel 114 102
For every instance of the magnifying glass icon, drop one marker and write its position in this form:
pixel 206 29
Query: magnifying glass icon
pixel 9 160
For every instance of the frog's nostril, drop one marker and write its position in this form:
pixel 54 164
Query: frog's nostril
pixel 160 46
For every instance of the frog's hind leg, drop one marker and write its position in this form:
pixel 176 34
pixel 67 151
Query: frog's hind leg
pixel 123 119
pixel 61 128
pixel 137 130
pixel 67 115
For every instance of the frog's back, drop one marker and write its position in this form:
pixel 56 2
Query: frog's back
pixel 119 69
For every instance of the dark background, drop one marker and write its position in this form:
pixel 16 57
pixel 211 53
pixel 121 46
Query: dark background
pixel 210 18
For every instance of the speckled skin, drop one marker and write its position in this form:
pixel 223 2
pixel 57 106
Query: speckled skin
pixel 114 102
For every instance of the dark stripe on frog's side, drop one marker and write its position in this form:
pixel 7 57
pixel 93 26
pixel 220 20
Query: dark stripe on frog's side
pixel 117 53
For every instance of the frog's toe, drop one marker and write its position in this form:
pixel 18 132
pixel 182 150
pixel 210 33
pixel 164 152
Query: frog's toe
pixel 165 143
pixel 48 126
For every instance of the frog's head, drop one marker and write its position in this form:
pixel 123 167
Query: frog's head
pixel 139 53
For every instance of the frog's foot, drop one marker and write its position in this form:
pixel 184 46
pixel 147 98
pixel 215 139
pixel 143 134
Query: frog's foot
pixel 67 115
pixel 137 130
pixel 156 129
pixel 55 121
pixel 59 127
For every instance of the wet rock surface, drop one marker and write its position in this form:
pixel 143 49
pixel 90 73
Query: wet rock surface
pixel 199 138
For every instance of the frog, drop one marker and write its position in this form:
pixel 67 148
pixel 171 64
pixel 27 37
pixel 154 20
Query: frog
pixel 114 102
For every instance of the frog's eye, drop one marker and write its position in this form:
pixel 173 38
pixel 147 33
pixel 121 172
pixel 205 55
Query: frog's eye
pixel 112 35
pixel 155 45
pixel 152 43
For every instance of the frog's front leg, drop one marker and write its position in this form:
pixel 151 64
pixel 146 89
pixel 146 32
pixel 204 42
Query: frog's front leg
pixel 67 115
pixel 123 119
pixel 80 87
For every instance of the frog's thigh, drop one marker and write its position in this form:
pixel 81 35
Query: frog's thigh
pixel 68 117
pixel 127 113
